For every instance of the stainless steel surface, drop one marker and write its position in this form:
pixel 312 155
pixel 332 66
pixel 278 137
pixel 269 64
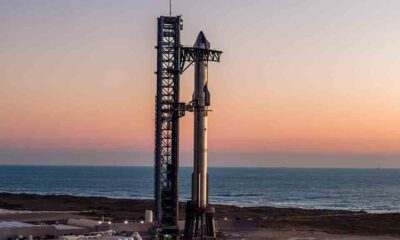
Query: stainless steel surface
pixel 200 125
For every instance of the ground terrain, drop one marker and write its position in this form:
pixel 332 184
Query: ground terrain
pixel 277 223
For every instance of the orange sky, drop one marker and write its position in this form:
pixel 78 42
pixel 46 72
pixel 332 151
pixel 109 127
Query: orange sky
pixel 296 76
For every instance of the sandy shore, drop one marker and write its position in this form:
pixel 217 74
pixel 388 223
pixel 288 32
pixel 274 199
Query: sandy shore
pixel 273 219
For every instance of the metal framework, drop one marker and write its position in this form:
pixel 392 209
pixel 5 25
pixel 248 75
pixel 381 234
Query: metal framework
pixel 167 123
pixel 190 54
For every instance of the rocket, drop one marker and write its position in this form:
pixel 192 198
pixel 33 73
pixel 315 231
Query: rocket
pixel 201 102
pixel 200 223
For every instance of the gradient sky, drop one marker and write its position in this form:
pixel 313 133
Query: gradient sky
pixel 301 83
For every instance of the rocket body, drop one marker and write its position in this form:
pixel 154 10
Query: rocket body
pixel 200 223
pixel 201 101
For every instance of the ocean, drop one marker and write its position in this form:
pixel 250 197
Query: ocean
pixel 372 190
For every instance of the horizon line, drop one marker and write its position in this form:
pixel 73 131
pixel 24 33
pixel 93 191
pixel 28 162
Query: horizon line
pixel 189 166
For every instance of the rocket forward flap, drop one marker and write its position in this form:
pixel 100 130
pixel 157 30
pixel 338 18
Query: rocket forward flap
pixel 207 100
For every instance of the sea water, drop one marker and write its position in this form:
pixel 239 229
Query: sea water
pixel 372 190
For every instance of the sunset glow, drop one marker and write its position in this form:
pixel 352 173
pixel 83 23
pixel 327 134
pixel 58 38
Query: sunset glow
pixel 79 75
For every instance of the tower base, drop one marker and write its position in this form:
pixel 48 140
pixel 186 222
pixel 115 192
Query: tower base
pixel 199 223
pixel 164 233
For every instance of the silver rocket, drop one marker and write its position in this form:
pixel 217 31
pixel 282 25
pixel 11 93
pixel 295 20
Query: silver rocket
pixel 200 217
pixel 201 101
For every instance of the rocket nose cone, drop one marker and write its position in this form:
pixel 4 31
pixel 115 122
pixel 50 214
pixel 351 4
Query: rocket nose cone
pixel 202 41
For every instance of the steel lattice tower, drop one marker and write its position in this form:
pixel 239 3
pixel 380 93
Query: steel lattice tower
pixel 167 123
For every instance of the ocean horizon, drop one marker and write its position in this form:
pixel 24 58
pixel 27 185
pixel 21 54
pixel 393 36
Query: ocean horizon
pixel 371 190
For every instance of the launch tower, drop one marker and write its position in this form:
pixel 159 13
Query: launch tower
pixel 166 150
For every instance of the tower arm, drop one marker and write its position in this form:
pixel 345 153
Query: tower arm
pixel 190 54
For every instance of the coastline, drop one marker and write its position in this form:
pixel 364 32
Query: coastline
pixel 329 221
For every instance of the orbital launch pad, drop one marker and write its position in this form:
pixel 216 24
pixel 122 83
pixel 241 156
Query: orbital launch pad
pixel 172 60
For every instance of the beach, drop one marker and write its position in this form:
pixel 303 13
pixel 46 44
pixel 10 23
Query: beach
pixel 271 219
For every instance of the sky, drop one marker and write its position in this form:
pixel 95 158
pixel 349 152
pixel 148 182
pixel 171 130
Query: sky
pixel 300 84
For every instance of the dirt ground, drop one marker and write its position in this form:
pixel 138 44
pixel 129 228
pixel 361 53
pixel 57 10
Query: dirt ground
pixel 271 234
pixel 280 223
